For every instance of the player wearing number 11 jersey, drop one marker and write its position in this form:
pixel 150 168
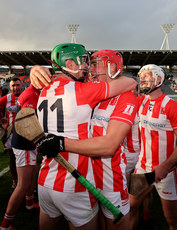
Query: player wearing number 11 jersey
pixel 64 109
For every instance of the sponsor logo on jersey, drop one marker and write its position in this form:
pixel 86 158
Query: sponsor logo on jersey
pixel 154 124
pixel 100 118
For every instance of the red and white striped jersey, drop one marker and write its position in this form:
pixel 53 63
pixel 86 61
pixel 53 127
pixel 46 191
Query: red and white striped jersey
pixel 158 120
pixel 110 171
pixel 132 141
pixel 64 108
pixel 29 98
pixel 9 102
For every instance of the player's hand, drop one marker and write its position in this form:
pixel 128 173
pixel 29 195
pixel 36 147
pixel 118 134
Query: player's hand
pixel 51 145
pixel 40 76
pixel 160 172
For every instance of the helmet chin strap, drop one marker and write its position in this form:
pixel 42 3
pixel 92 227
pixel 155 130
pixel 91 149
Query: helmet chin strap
pixel 64 70
pixel 148 90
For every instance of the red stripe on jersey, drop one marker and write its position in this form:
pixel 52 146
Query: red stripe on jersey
pixel 115 165
pixel 44 91
pixel 155 147
pixel 45 170
pixel 98 170
pixel 139 137
pixel 156 110
pixel 61 175
pixel 60 89
pixel 93 200
pixel 104 104
pixel 143 161
pixel 130 142
pixel 82 165
pixel 145 108
pixel 27 157
pixel 170 142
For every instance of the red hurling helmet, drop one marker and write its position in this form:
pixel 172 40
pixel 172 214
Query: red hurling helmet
pixel 109 57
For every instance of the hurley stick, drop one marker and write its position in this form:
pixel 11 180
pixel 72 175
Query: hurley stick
pixel 27 125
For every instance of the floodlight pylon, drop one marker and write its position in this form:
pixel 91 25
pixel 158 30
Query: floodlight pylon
pixel 72 29
pixel 166 29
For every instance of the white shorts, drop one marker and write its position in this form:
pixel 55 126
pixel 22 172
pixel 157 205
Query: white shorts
pixel 25 157
pixel 118 199
pixel 166 188
pixel 76 207
pixel 132 159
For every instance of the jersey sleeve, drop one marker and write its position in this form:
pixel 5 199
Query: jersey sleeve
pixel 29 98
pixel 126 108
pixel 93 92
pixel 3 102
pixel 171 112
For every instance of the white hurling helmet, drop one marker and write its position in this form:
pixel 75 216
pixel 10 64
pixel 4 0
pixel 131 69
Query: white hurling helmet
pixel 156 72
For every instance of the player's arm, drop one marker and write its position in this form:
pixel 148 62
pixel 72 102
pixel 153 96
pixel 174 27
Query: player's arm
pixel 3 101
pixel 120 85
pixel 167 166
pixel 96 146
pixel 41 76
pixel 103 145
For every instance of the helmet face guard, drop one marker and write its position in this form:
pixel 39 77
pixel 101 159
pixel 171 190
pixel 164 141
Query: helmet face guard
pixel 152 72
pixel 108 57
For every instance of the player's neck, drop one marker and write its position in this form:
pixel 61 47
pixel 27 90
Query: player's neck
pixel 155 94
pixel 61 75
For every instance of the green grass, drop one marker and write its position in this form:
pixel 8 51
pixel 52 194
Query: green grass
pixel 4 160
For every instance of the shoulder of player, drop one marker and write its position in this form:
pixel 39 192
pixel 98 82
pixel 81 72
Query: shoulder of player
pixel 91 86
pixel 171 104
pixel 129 95
pixel 28 92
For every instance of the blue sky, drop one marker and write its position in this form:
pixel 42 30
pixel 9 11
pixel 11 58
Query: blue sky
pixel 114 24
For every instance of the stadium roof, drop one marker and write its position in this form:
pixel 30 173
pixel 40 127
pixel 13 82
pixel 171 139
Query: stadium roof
pixel 130 57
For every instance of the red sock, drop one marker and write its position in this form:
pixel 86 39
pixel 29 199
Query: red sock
pixel 29 202
pixel 7 221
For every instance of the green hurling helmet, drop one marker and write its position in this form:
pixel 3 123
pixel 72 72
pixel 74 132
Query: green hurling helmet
pixel 63 52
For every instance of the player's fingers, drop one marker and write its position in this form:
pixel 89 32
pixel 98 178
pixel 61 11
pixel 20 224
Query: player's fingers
pixel 40 76
pixel 45 75
pixel 38 79
pixel 35 80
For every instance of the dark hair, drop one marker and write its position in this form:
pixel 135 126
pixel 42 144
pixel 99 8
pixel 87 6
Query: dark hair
pixel 15 79
pixel 4 92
